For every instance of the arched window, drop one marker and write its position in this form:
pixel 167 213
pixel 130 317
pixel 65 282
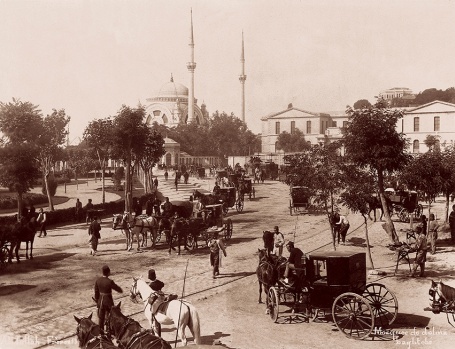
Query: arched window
pixel 437 123
pixel 416 124
pixel 415 146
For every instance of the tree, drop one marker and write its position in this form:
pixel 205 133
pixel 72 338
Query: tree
pixel 320 169
pixel 372 142
pixel 362 104
pixel 150 155
pixel 20 125
pixel 359 186
pixel 129 134
pixel 98 135
pixel 432 142
pixel 292 142
pixel 50 142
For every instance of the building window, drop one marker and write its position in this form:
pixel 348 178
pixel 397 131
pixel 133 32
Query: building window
pixel 415 146
pixel 277 127
pixel 416 124
pixel 292 127
pixel 308 126
pixel 437 123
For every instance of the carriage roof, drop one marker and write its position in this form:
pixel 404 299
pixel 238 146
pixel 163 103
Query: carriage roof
pixel 183 208
pixel 334 254
pixel 202 191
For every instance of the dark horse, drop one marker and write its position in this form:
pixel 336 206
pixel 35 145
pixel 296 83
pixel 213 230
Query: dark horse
pixel 23 231
pixel 90 336
pixel 374 203
pixel 130 334
pixel 178 232
pixel 270 268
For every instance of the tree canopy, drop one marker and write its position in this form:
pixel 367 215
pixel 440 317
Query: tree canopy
pixel 292 142
pixel 362 103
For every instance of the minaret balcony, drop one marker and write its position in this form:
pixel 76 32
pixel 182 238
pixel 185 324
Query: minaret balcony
pixel 242 78
pixel 191 66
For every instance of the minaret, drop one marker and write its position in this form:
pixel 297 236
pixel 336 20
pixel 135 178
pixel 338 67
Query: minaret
pixel 191 65
pixel 242 79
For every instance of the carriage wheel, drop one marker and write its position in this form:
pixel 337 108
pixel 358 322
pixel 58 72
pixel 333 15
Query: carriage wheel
pixel 239 205
pixel 353 315
pixel 274 303
pixel 404 215
pixel 228 227
pixel 383 302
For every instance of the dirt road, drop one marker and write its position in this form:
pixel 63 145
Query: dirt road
pixel 39 297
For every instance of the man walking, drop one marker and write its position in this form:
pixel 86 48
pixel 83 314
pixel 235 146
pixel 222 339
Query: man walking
pixel 78 210
pixel 216 247
pixel 42 218
pixel 94 232
pixel 103 294
pixel 278 242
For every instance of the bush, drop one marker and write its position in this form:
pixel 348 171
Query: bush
pixel 8 202
pixel 52 183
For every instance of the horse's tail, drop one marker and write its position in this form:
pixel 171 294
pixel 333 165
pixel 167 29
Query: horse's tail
pixel 194 324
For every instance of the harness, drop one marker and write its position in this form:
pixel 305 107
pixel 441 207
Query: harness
pixel 101 338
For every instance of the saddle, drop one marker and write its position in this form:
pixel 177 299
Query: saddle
pixel 162 308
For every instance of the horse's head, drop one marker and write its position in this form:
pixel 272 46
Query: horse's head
pixel 86 330
pixel 139 289
pixel 115 320
pixel 263 254
pixel 116 220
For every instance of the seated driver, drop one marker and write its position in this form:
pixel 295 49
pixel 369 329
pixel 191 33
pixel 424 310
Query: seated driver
pixel 294 261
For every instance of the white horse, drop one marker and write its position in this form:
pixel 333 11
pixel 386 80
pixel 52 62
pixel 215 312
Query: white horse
pixel 131 225
pixel 178 312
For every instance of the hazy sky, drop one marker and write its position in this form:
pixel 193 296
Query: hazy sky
pixel 90 57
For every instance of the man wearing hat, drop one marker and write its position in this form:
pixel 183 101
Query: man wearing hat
pixel 155 299
pixel 420 246
pixel 294 260
pixel 278 242
pixel 103 294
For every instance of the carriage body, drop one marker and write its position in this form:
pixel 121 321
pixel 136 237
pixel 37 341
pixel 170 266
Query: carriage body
pixel 230 199
pixel 201 172
pixel 246 187
pixel 334 273
pixel 299 201
pixel 215 222
pixel 403 203
pixel 335 282
pixel 183 208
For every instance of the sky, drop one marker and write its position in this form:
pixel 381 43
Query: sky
pixel 91 57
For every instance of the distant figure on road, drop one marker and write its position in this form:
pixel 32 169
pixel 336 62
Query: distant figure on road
pixel 94 232
pixel 78 211
pixel 42 218
pixel 216 250
pixel 88 211
pixel 176 182
pixel 155 182
pixel 166 175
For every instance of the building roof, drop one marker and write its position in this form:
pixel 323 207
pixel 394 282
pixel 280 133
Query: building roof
pixel 413 109
pixel 276 114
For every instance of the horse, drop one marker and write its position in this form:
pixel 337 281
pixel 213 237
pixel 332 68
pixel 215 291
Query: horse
pixel 268 271
pixel 374 203
pixel 179 231
pixel 22 231
pixel 89 334
pixel 443 296
pixel 268 239
pixel 177 311
pixel 135 225
pixel 130 334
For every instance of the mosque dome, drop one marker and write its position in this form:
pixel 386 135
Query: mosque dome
pixel 173 89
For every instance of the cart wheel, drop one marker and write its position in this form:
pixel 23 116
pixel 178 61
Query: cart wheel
pixel 290 207
pixel 383 302
pixel 190 241
pixel 274 303
pixel 404 215
pixel 228 227
pixel 353 315
pixel 239 205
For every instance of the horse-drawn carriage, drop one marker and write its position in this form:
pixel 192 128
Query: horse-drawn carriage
pixel 230 199
pixel 334 282
pixel 403 203
pixel 442 300
pixel 201 172
pixel 246 187
pixel 299 201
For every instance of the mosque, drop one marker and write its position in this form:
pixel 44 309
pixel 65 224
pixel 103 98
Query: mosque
pixel 175 104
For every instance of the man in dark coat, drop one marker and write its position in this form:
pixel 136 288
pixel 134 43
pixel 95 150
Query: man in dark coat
pixel 103 294
pixel 157 294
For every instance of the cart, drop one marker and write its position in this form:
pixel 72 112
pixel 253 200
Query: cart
pixel 299 201
pixel 403 203
pixel 214 223
pixel 441 301
pixel 335 282
pixel 230 199
pixel 246 187
pixel 201 172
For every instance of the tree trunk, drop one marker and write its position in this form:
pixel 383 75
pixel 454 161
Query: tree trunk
pixel 368 241
pixel 46 182
pixel 19 206
pixel 446 213
pixel 388 225
pixel 103 168
pixel 128 197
